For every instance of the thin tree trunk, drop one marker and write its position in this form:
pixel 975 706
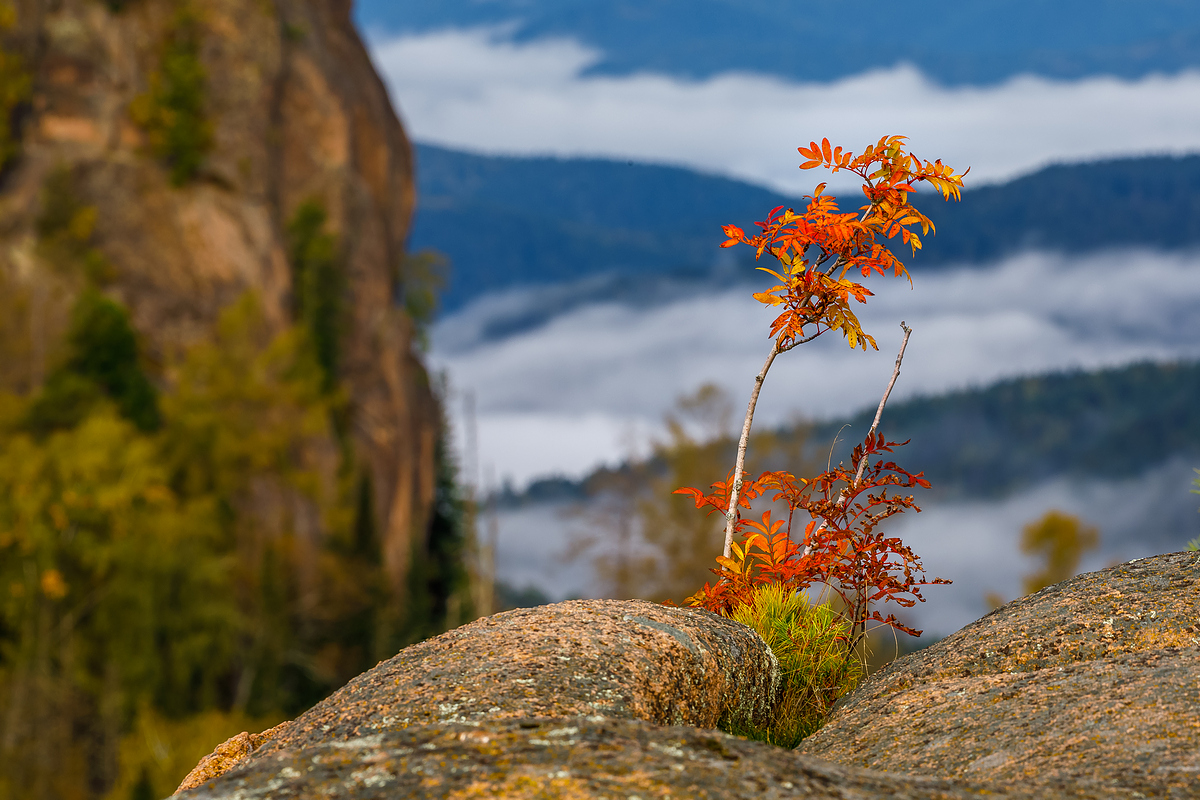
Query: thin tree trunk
pixel 732 513
pixel 879 411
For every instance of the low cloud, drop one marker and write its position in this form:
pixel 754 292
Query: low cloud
pixel 974 544
pixel 476 90
pixel 575 392
pixel 977 544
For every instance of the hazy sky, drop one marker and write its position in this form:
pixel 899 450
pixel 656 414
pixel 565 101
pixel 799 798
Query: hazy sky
pixel 473 89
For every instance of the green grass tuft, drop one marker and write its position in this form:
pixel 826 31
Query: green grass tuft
pixel 810 643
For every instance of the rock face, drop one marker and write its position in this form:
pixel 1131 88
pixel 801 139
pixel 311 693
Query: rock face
pixel 566 758
pixel 1088 688
pixel 589 698
pixel 620 660
pixel 297 113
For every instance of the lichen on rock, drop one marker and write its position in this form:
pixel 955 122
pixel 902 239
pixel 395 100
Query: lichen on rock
pixel 1090 687
pixel 588 698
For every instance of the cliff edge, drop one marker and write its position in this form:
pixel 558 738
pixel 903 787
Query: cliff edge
pixel 196 132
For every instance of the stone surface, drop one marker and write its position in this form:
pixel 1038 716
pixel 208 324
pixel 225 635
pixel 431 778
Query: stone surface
pixel 565 758
pixel 227 755
pixel 617 659
pixel 1087 688
pixel 298 112
pixel 599 658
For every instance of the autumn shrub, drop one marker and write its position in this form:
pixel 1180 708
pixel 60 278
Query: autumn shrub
pixel 1060 540
pixel 842 547
pixel 815 666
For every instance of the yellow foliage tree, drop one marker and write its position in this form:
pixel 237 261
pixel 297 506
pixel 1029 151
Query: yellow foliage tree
pixel 1060 540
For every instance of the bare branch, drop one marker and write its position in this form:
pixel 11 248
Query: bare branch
pixel 801 341
pixel 879 412
pixel 731 512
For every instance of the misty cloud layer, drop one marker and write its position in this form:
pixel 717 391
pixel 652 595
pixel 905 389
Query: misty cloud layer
pixel 587 386
pixel 475 90
pixel 974 544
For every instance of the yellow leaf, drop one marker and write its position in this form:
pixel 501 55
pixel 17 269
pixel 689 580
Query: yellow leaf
pixel 53 585
pixel 768 298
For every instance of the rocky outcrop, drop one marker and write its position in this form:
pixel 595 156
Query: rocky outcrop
pixel 588 698
pixel 566 758
pixel 582 658
pixel 293 111
pixel 1088 688
pixel 227 755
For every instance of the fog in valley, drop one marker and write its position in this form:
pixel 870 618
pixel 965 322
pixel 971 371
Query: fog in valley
pixel 590 386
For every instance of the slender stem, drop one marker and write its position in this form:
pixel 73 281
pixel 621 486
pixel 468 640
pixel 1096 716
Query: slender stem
pixel 805 340
pixel 879 412
pixel 731 512
pixel 859 628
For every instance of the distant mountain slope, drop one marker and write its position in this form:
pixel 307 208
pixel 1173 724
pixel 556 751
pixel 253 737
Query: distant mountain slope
pixel 1152 201
pixel 1012 435
pixel 1113 423
pixel 952 41
pixel 507 222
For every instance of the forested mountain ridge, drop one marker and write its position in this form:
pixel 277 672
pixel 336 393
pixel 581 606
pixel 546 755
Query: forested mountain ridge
pixel 1149 202
pixel 992 441
pixel 537 221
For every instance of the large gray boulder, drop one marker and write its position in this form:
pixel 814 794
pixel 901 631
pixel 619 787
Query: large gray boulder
pixel 589 757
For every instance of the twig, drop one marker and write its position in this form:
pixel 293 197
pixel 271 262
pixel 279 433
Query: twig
pixel 879 412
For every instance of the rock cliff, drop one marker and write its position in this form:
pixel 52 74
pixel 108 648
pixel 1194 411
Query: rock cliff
pixel 189 218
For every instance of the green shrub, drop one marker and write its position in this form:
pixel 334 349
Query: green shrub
pixel 418 281
pixel 171 112
pixel 1194 544
pixel 810 643
pixel 101 362
pixel 15 89
pixel 65 227
pixel 318 286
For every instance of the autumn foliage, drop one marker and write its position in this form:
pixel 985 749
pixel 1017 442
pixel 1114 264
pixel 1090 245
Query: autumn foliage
pixel 821 254
pixel 816 250
pixel 842 546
